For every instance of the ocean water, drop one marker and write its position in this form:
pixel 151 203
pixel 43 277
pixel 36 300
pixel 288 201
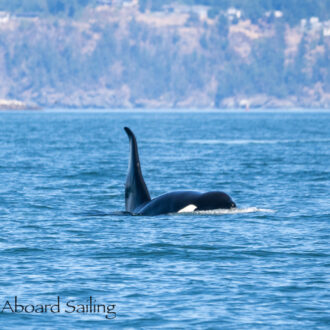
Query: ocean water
pixel 63 234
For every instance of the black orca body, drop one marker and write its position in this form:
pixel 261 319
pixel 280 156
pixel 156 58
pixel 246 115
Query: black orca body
pixel 138 201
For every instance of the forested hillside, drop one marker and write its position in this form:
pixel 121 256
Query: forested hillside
pixel 150 53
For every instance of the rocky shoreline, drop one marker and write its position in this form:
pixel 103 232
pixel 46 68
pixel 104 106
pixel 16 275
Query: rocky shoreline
pixel 120 100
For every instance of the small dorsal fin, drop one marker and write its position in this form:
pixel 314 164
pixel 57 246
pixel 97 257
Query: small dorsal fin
pixel 136 191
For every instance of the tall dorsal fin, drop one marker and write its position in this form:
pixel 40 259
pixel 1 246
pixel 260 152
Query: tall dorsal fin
pixel 136 191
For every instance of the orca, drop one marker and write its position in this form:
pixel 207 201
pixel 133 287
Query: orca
pixel 138 201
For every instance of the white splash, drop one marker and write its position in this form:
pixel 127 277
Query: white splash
pixel 235 211
pixel 249 141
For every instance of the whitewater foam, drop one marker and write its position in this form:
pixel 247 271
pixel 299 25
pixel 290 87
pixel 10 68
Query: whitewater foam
pixel 235 211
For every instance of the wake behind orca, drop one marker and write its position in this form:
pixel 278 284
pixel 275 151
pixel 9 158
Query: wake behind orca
pixel 138 201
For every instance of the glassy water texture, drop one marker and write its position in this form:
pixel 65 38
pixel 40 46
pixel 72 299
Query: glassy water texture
pixel 265 265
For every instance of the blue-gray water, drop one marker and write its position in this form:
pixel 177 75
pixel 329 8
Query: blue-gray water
pixel 265 265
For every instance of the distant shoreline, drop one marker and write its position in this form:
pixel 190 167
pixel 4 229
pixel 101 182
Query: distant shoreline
pixel 172 110
pixel 15 105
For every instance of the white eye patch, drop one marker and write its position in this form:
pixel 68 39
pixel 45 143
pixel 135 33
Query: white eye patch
pixel 188 208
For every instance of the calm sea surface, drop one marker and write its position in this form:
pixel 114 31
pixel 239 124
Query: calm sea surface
pixel 265 265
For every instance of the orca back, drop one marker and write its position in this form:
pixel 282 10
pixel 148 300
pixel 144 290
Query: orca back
pixel 136 191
